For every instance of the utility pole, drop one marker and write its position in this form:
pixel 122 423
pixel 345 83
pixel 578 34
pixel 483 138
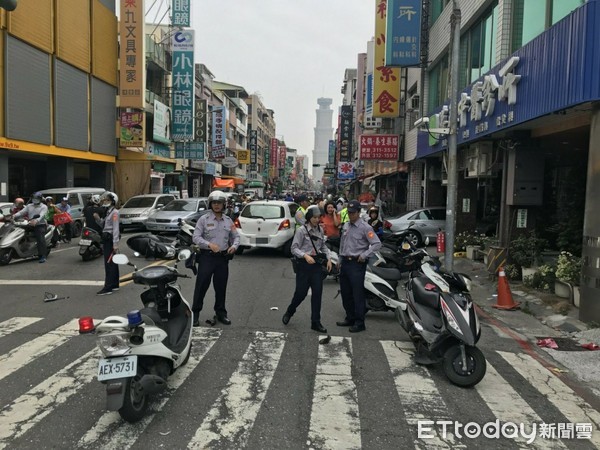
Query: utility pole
pixel 452 137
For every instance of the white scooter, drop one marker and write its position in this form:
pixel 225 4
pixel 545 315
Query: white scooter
pixel 18 241
pixel 143 349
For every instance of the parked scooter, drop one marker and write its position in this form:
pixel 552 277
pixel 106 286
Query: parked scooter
pixel 440 318
pixel 90 244
pixel 19 241
pixel 143 349
pixel 185 233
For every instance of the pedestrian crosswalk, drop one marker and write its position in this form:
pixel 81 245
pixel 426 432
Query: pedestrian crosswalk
pixel 327 387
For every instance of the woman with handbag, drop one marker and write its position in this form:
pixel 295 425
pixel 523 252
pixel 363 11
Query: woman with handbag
pixel 311 253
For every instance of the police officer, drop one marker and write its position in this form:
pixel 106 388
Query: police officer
pixel 299 216
pixel 309 246
pixel 110 241
pixel 218 239
pixel 358 243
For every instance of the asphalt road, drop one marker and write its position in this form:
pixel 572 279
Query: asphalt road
pixel 258 384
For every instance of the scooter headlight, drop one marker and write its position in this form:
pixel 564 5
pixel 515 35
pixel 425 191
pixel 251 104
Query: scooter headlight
pixel 114 344
pixel 467 281
pixel 450 317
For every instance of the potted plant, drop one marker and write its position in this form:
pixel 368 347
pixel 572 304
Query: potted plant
pixel 525 251
pixel 568 274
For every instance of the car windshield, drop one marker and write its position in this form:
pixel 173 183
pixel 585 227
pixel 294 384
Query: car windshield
pixel 181 205
pixel 139 202
pixel 253 210
pixel 56 197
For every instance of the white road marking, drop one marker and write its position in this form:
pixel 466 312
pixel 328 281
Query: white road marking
pixel 16 323
pixel 508 406
pixel 32 407
pixel 234 412
pixel 22 355
pixel 54 282
pixel 112 432
pixel 571 405
pixel 418 395
pixel 334 419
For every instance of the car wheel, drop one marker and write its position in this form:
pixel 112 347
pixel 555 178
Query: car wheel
pixel 414 238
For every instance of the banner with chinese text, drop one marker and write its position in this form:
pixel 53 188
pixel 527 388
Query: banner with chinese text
pixel 218 132
pixel 132 56
pixel 379 146
pixel 182 127
pixel 386 80
pixel 181 13
pixel 403 33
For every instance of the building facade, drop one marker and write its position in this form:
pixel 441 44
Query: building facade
pixel 323 134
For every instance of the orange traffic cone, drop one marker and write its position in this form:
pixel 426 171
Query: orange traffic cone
pixel 505 300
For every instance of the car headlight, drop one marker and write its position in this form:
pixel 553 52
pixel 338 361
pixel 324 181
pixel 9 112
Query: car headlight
pixel 114 344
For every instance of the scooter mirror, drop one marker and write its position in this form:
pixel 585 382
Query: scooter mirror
pixel 184 254
pixel 120 259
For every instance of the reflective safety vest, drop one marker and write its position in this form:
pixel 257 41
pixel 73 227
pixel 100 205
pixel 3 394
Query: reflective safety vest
pixel 344 216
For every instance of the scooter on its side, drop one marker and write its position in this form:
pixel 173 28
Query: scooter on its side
pixel 441 320
pixel 18 241
pixel 90 244
pixel 142 350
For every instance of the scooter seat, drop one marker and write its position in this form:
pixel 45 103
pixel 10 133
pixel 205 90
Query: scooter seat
pixel 423 296
pixel 387 273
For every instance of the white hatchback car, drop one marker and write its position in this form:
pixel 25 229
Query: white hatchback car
pixel 269 224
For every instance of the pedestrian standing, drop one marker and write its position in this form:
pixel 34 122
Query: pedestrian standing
pixel 110 242
pixel 358 243
pixel 218 239
pixel 309 247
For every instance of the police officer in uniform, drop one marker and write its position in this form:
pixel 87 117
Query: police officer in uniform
pixel 309 246
pixel 358 243
pixel 218 239
pixel 110 242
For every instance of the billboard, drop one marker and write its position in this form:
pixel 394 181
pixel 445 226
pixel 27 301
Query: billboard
pixel 182 127
pixel 132 56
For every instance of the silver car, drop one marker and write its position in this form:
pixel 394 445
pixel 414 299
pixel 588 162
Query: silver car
pixel 426 222
pixel 167 218
pixel 136 210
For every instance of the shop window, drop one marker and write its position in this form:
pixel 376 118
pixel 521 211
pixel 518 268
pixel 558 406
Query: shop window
pixel 438 84
pixel 437 6
pixel 478 47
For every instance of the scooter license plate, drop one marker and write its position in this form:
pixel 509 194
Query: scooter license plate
pixel 111 368
pixel 85 242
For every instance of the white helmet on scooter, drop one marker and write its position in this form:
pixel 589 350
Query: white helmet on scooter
pixel 109 198
pixel 95 199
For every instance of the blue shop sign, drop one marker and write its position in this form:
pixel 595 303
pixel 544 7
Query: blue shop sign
pixel 557 70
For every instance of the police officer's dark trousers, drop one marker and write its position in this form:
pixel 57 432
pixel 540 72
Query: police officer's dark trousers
pixel 308 276
pixel 111 270
pixel 352 281
pixel 215 267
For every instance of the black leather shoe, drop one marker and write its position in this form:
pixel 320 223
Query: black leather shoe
pixel 286 318
pixel 224 320
pixel 344 323
pixel 196 323
pixel 357 328
pixel 318 327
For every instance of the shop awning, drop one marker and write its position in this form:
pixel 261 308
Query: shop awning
pixel 221 183
pixel 367 181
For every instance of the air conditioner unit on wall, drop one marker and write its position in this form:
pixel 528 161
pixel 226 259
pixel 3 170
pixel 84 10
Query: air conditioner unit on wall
pixel 480 159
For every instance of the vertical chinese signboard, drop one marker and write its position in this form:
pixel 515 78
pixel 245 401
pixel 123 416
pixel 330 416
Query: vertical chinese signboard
pixel 331 156
pixel 281 157
pixel 181 13
pixel 274 154
pixel 252 146
pixel 218 132
pixel 386 80
pixel 346 133
pixel 132 55
pixel 403 33
pixel 182 127
pixel 201 121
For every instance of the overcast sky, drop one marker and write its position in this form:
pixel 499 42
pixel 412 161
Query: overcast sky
pixel 291 52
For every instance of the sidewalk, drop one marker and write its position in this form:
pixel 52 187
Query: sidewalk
pixel 539 316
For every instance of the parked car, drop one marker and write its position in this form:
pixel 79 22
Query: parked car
pixel 426 222
pixel 77 198
pixel 167 218
pixel 136 210
pixel 270 224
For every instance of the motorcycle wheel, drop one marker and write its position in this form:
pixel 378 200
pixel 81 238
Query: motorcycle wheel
pixel 5 256
pixel 476 366
pixel 87 255
pixel 135 402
